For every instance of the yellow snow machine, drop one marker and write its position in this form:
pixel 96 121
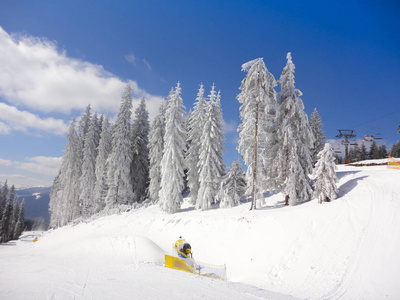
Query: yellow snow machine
pixel 181 259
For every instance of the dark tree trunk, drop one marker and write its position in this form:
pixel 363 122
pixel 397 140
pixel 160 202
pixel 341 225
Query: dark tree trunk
pixel 253 193
pixel 287 200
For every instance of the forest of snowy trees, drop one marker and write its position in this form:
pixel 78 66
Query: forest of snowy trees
pixel 112 167
pixel 369 150
pixel 12 220
pixel 108 168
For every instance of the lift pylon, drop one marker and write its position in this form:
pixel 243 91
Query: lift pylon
pixel 346 134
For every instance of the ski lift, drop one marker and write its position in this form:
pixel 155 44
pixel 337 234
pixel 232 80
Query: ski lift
pixel 368 137
pixel 353 143
pixel 398 129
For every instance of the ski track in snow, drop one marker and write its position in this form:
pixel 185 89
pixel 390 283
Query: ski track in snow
pixel 373 256
pixel 346 249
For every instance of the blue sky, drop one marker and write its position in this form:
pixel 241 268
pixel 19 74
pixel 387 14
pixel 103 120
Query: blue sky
pixel 58 56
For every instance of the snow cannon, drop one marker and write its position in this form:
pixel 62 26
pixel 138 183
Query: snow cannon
pixel 181 259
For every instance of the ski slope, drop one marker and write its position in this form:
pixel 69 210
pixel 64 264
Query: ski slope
pixel 346 249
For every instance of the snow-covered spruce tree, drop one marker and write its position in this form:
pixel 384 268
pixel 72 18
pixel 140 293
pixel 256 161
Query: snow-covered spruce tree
pixel 293 161
pixel 258 99
pixel 119 162
pixel 104 150
pixel 363 152
pixel 98 128
pixel 353 153
pixel 320 138
pixel 71 172
pixel 211 166
pixel 6 223
pixel 395 151
pixel 156 146
pixel 84 123
pixel 55 201
pixel 1 204
pixel 140 158
pixel 3 197
pixel 373 151
pixel 195 126
pixel 88 178
pixel 19 226
pixel 383 151
pixel 64 197
pixel 15 212
pixel 233 186
pixel 325 186
pixel 173 162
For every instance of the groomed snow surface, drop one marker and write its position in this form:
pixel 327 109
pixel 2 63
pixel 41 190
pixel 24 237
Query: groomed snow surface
pixel 346 249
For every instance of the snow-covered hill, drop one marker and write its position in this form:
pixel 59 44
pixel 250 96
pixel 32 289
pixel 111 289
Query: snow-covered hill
pixel 346 249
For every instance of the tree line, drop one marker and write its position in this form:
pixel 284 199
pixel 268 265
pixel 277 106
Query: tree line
pixel 375 151
pixel 109 168
pixel 12 218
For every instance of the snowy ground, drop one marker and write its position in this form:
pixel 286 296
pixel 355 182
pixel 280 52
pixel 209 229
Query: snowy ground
pixel 346 249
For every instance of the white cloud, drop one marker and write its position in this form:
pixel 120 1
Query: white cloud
pixel 230 126
pixel 22 181
pixel 4 128
pixel 34 171
pixel 43 165
pixel 147 64
pixel 35 74
pixel 131 58
pixel 23 120
pixel 5 162
pixel 40 165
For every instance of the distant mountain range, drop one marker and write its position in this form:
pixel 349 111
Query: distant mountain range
pixel 36 202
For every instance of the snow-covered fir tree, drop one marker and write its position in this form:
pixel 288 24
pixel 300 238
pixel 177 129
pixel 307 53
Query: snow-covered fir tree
pixel 363 152
pixel 354 153
pixel 395 151
pixel 88 178
pixel 383 151
pixel 326 184
pixel 84 123
pixel 3 197
pixel 156 146
pixel 293 161
pixel 11 214
pixel 98 128
pixel 258 102
pixel 320 138
pixel 119 162
pixel 64 198
pixel 55 201
pixel 210 165
pixel 233 186
pixel 6 222
pixel 374 151
pixel 12 197
pixel 173 163
pixel 20 224
pixel 140 156
pixel 104 150
pixel 195 126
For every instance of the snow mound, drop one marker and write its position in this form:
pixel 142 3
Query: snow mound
pixel 123 248
pixel 371 162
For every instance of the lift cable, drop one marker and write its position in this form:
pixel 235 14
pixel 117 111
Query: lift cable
pixel 385 115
